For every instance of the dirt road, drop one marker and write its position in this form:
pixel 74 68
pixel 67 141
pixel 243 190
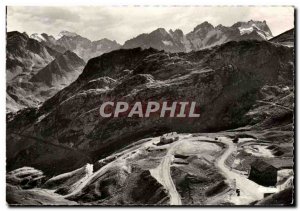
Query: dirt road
pixel 250 191
pixel 163 175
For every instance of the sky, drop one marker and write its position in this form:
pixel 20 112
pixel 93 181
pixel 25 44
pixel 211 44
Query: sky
pixel 121 23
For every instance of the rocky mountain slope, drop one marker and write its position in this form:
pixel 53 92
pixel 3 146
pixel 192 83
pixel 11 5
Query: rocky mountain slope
pixel 82 46
pixel 233 84
pixel 49 41
pixel 286 38
pixel 40 65
pixel 204 35
pixel 60 72
pixel 33 89
pixel 25 55
pixel 243 89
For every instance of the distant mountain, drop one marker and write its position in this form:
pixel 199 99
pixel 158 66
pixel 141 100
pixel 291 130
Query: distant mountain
pixel 159 39
pixel 32 58
pixel 204 35
pixel 60 72
pixel 67 34
pixel 83 47
pixel 102 46
pixel 49 41
pixel 40 65
pixel 286 38
pixel 30 92
pixel 259 27
pixel 25 55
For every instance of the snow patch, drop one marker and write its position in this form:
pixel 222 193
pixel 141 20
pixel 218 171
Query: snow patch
pixel 245 30
pixel 168 43
pixel 37 37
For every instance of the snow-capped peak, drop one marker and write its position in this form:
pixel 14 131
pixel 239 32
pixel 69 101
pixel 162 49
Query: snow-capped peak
pixel 260 27
pixel 37 37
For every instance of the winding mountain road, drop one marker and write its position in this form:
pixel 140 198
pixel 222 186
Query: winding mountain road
pixel 250 191
pixel 163 175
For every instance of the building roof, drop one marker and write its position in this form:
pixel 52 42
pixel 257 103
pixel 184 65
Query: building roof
pixel 262 165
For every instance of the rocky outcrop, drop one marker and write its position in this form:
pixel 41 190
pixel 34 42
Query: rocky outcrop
pixel 66 183
pixel 25 177
pixel 117 187
pixel 286 38
pixel 15 196
pixel 284 197
pixel 159 39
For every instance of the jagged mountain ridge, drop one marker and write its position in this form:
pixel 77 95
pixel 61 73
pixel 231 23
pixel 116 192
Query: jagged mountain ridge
pixel 286 38
pixel 60 72
pixel 204 35
pixel 225 81
pixel 32 91
pixel 82 46
pixel 49 41
pixel 26 58
pixel 25 55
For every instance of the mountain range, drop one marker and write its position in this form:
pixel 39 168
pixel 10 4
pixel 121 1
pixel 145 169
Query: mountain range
pixel 203 36
pixel 43 58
